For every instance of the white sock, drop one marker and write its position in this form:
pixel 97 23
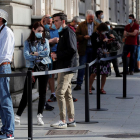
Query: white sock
pixel 53 93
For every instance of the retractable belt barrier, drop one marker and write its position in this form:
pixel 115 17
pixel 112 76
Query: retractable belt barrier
pixel 29 75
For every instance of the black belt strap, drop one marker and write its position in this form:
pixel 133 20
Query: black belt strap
pixel 2 28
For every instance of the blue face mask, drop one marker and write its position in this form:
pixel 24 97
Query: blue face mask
pixel 47 26
pixel 60 29
pixel 5 23
pixel 108 27
pixel 38 35
pixel 53 27
pixel 130 21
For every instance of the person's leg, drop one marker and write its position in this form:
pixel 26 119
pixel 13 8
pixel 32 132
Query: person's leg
pixel 103 80
pixel 138 58
pixel 69 100
pixel 132 57
pixel 115 63
pixel 23 102
pixel 81 72
pixel 7 112
pixel 89 58
pixel 62 86
pixel 42 81
pixel 91 80
pixel 51 84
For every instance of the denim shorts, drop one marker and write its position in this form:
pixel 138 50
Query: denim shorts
pixel 138 53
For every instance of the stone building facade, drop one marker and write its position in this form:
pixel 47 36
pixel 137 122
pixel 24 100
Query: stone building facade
pixel 23 12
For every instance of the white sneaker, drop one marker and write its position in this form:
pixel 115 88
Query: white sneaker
pixel 17 119
pixel 59 124
pixel 71 124
pixel 39 119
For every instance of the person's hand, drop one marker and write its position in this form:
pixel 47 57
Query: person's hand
pixel 53 55
pixel 111 35
pixel 106 52
pixel 34 53
pixel 56 40
pixel 106 40
pixel 87 37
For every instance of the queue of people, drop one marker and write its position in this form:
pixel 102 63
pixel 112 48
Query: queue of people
pixel 54 44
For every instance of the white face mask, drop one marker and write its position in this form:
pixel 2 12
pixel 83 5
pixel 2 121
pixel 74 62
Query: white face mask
pixel 76 26
pixel 104 33
pixel 102 16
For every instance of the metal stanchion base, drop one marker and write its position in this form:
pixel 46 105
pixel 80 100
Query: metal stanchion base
pixel 124 97
pixel 95 109
pixel 83 122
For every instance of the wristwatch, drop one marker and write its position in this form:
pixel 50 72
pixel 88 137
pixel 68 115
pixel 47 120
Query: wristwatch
pixel 32 52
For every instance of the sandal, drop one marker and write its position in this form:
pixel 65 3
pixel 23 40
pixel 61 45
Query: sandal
pixel 102 91
pixel 90 91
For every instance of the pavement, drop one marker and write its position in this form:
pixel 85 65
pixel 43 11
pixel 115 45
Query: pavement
pixel 120 122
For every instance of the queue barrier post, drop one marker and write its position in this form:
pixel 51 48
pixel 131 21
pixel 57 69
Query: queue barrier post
pixel 87 114
pixel 124 79
pixel 30 116
pixel 98 99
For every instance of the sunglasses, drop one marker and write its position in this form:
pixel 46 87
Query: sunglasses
pixel 49 17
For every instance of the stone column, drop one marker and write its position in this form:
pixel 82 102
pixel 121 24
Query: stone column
pixel 19 21
pixel 104 6
pixel 40 7
pixel 69 14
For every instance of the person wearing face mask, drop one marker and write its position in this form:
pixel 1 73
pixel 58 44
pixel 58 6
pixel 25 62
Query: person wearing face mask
pixel 100 50
pixel 100 16
pixel 52 34
pixel 36 51
pixel 131 34
pixel 83 33
pixel 113 51
pixel 66 57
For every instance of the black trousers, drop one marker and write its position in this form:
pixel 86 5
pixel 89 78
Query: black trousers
pixel 115 63
pixel 42 81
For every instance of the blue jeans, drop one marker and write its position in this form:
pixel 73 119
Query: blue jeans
pixel 6 106
pixel 138 53
pixel 132 49
pixel 87 58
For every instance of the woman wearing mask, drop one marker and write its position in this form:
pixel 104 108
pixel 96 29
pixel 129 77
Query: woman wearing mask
pixel 100 49
pixel 36 53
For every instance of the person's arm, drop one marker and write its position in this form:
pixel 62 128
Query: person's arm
pixel 54 40
pixel 79 36
pixel 46 51
pixel 27 52
pixel 132 33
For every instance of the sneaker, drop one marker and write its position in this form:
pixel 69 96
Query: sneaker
pixel 52 98
pixel 39 119
pixel 59 124
pixel 71 124
pixel 7 137
pixel 131 73
pixel 17 119
pixel 48 107
pixel 92 88
pixel 74 99
pixel 78 87
pixel 74 82
pixel 118 75
pixel 1 133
